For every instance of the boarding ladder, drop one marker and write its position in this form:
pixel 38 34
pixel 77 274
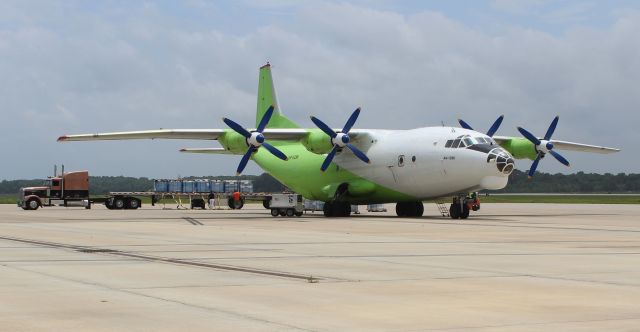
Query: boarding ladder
pixel 444 210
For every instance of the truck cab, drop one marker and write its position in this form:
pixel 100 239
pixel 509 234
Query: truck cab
pixel 71 187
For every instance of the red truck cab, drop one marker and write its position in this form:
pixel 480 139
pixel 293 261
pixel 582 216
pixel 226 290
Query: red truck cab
pixel 70 187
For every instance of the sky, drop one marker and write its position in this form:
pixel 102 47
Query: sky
pixel 71 67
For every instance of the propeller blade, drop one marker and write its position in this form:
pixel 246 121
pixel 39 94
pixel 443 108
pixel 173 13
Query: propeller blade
pixel 464 124
pixel 552 128
pixel 351 121
pixel 238 128
pixel 359 153
pixel 275 151
pixel 327 161
pixel 532 170
pixel 495 126
pixel 323 127
pixel 529 136
pixel 560 158
pixel 265 119
pixel 244 161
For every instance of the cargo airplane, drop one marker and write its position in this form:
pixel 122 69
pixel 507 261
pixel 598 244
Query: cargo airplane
pixel 364 166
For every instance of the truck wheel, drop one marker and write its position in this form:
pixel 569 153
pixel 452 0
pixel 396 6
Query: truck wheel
pixel 236 205
pixel 289 212
pixel 267 203
pixel 298 214
pixel 282 212
pixel 118 203
pixel 274 212
pixel 133 203
pixel 88 206
pixel 33 204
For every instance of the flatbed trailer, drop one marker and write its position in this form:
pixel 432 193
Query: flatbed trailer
pixel 131 200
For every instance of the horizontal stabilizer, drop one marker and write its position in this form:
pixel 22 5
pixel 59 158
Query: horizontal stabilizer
pixel 206 150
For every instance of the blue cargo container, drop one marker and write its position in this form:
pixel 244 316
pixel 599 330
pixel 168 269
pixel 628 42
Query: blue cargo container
pixel 188 186
pixel 216 186
pixel 175 186
pixel 160 186
pixel 230 186
pixel 203 186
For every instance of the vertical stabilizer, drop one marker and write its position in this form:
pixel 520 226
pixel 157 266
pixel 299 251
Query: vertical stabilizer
pixel 267 97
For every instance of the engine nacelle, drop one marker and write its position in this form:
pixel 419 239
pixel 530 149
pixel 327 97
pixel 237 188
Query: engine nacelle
pixel 317 142
pixel 520 148
pixel 233 141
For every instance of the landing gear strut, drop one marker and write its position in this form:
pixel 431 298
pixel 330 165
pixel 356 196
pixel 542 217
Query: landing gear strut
pixel 409 209
pixel 337 209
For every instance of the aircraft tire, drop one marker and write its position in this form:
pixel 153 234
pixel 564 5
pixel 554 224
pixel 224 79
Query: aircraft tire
pixel 454 211
pixel 464 214
pixel 419 209
pixel 328 209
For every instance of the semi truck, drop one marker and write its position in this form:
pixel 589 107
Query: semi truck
pixel 68 189
pixel 72 189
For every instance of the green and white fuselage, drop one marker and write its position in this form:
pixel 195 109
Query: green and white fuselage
pixel 405 165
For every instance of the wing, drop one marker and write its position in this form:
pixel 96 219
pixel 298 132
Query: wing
pixel 284 134
pixel 197 134
pixel 570 146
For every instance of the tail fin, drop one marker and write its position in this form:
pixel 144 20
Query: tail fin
pixel 267 97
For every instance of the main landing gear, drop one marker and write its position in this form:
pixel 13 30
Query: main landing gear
pixel 409 209
pixel 337 209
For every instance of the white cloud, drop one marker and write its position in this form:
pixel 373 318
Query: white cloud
pixel 137 69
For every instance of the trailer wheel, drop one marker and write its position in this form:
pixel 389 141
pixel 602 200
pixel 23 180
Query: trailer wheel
pixel 298 214
pixel 274 212
pixel 290 212
pixel 32 204
pixel 266 203
pixel 118 203
pixel 133 203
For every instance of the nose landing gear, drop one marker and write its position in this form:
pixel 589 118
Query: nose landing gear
pixel 462 204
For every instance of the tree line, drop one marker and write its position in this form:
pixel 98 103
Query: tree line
pixel 518 183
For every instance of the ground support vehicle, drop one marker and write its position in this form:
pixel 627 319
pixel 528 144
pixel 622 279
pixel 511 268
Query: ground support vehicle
pixel 286 205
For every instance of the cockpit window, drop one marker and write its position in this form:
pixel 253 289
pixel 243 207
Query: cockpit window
pixel 456 142
pixel 481 140
pixel 468 141
pixel 448 144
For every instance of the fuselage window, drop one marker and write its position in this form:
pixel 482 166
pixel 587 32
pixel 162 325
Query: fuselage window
pixel 413 159
pixel 400 160
pixel 448 144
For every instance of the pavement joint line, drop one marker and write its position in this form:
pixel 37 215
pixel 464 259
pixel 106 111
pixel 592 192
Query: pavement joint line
pixel 193 221
pixel 85 249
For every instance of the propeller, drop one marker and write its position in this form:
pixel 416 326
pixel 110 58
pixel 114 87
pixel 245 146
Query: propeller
pixel 543 146
pixel 491 131
pixel 340 139
pixel 254 139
